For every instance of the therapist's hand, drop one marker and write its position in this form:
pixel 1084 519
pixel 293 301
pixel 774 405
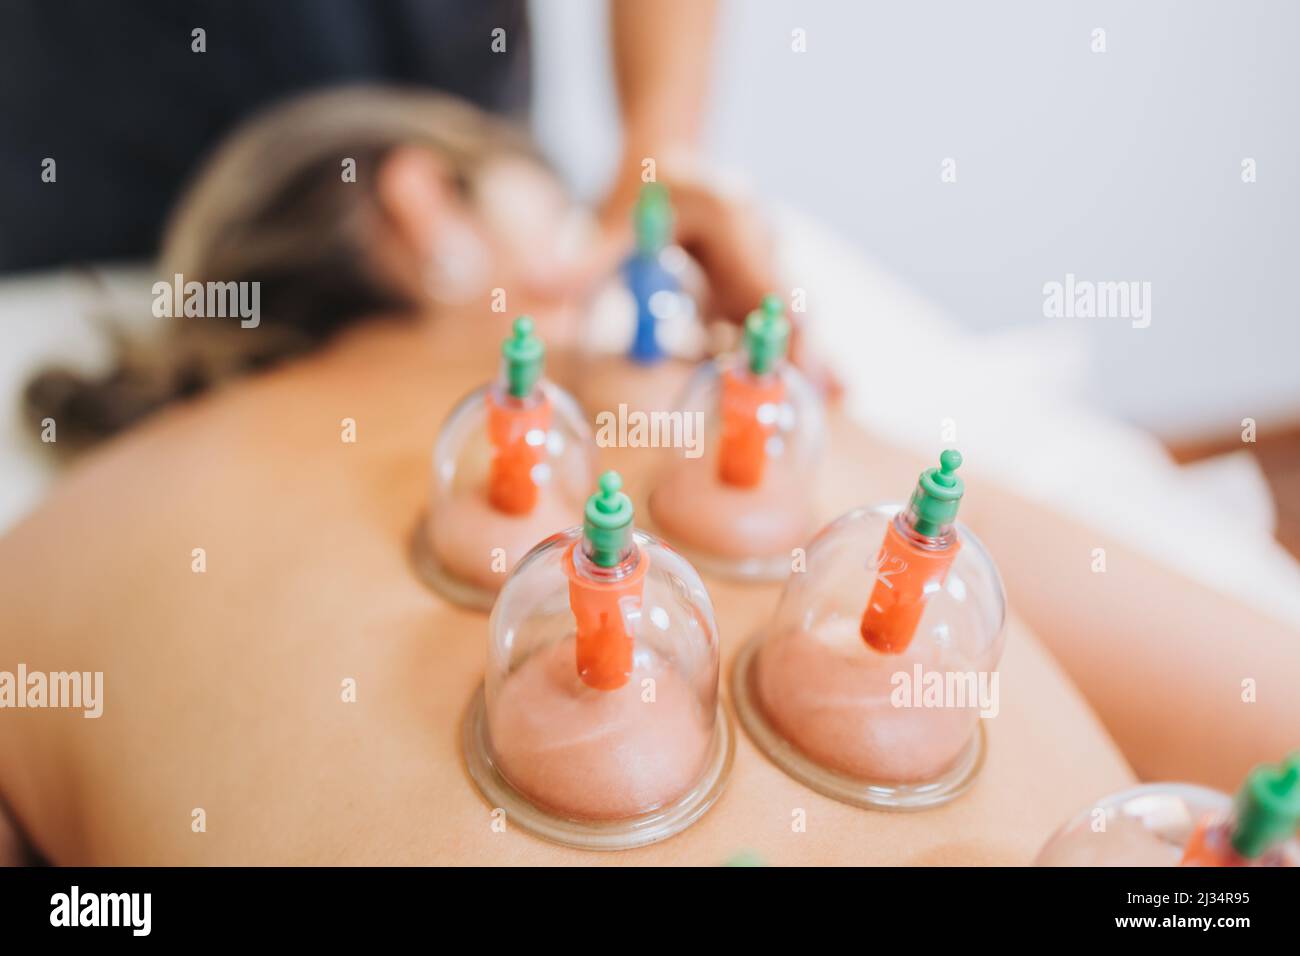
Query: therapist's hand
pixel 732 244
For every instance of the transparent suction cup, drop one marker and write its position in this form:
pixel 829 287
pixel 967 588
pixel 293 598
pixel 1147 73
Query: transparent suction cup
pixel 643 334
pixel 626 833
pixel 1144 826
pixel 893 722
pixel 511 466
pixel 1180 824
pixel 743 505
pixel 598 724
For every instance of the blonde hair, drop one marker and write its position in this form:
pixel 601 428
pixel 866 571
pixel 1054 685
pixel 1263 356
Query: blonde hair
pixel 267 207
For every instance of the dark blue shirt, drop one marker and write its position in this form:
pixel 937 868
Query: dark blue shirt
pixel 113 92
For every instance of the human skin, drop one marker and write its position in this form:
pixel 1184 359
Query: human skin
pixel 699 512
pixel 830 696
pixel 224 690
pixel 597 754
pixel 12 852
pixel 1125 842
pixel 662 61
pixel 662 52
pixel 1161 658
pixel 465 531
pixel 606 381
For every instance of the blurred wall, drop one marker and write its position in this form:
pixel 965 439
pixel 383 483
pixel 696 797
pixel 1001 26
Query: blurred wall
pixel 1122 165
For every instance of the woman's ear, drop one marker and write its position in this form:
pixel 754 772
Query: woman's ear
pixel 416 193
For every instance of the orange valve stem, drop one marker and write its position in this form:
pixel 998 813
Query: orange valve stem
pixel 906 574
pixel 749 406
pixel 606 578
pixel 751 396
pixel 914 559
pixel 1265 814
pixel 604 644
pixel 517 430
pixel 519 416
pixel 1209 846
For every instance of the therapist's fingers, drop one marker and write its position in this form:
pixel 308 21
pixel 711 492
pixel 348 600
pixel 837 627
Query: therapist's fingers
pixel 734 248
pixel 724 236
pixel 732 244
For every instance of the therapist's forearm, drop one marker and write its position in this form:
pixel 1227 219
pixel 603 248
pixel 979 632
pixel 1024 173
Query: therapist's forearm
pixel 662 53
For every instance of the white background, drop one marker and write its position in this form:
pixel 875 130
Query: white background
pixel 1117 166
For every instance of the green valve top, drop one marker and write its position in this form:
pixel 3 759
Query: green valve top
pixel 607 521
pixel 1267 807
pixel 523 353
pixel 767 335
pixel 938 495
pixel 652 219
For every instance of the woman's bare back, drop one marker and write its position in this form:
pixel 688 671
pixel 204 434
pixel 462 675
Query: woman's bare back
pixel 279 688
